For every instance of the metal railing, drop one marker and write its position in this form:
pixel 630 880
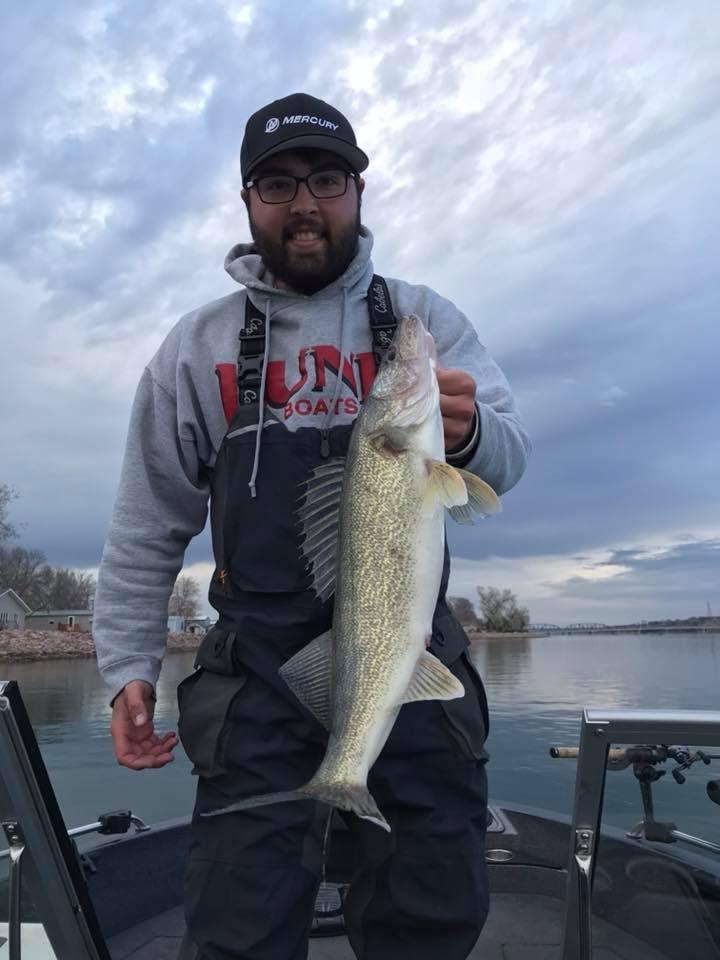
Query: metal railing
pixel 600 729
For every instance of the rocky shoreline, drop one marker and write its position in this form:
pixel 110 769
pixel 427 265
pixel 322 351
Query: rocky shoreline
pixel 17 646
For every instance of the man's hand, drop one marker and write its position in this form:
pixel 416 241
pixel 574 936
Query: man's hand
pixel 135 742
pixel 457 406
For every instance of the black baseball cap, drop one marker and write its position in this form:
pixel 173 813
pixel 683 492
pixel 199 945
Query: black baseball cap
pixel 295 122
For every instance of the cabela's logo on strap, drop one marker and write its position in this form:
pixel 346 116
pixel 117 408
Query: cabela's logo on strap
pixel 272 125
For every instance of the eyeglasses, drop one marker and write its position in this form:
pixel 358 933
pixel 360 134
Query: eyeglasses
pixel 282 188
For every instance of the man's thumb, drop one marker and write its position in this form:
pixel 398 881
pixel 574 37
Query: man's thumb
pixel 137 704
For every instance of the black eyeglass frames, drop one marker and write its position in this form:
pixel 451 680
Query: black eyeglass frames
pixel 282 188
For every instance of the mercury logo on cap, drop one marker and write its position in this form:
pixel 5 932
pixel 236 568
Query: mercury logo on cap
pixel 298 122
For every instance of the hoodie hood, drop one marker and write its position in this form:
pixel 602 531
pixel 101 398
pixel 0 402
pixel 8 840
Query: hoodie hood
pixel 246 267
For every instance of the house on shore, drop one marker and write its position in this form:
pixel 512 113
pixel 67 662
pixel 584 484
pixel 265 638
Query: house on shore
pixel 79 621
pixel 13 610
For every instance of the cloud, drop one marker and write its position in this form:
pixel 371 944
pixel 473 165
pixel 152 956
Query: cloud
pixel 550 168
pixel 672 580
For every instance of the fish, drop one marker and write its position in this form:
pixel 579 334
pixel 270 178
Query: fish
pixel 373 533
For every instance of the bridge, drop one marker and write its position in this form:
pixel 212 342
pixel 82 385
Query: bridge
pixel 642 627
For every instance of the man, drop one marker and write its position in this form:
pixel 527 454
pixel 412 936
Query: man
pixel 244 431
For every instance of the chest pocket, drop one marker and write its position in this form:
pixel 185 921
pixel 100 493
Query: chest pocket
pixel 261 534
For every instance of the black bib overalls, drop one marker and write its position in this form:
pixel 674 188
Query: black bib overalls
pixel 418 893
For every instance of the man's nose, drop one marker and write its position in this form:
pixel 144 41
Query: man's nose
pixel 304 201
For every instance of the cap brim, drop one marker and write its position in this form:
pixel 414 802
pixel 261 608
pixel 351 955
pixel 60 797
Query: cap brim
pixel 354 155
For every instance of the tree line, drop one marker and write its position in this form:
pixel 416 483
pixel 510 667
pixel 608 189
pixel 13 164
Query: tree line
pixel 42 586
pixel 28 573
pixel 499 609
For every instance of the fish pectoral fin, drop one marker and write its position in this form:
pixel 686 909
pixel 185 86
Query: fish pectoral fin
pixel 433 681
pixel 445 484
pixel 481 499
pixel 309 676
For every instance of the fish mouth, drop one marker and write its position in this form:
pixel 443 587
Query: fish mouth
pixel 406 383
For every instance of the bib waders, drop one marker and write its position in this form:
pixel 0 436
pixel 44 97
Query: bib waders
pixel 418 893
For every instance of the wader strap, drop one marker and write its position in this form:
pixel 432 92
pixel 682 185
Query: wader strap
pixel 383 322
pixel 252 352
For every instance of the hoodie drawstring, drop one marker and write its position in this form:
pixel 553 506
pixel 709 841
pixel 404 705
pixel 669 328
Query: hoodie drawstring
pixel 261 405
pixel 338 382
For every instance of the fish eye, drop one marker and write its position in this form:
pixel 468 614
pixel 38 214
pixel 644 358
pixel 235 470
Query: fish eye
pixel 391 354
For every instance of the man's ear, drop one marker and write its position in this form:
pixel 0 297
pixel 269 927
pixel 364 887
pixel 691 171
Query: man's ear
pixel 360 185
pixel 245 195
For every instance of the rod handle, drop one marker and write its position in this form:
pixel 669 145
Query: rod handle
pixel 572 753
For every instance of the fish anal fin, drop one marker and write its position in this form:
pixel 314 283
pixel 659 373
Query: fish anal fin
pixel 432 681
pixel 309 675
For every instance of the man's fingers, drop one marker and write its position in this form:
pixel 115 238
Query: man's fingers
pixel 145 762
pixel 135 742
pixel 455 432
pixel 457 407
pixel 138 699
pixel 455 383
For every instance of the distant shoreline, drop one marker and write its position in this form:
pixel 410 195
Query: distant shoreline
pixel 503 635
pixel 29 646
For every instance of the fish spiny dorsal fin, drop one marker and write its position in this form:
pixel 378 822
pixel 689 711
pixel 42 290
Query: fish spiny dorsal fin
pixel 309 676
pixel 481 499
pixel 319 519
pixel 433 681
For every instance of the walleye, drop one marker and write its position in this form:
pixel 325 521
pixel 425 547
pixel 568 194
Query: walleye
pixel 374 534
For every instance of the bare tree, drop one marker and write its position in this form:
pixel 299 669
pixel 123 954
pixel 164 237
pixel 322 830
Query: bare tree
pixel 501 612
pixel 185 598
pixel 27 573
pixel 464 611
pixel 69 590
pixel 7 530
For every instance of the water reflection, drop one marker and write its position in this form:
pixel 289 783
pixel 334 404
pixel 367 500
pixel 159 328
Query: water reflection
pixel 536 688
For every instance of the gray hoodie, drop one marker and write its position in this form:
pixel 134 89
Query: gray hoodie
pixel 187 394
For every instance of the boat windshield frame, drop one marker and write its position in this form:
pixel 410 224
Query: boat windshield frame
pixel 39 843
pixel 599 730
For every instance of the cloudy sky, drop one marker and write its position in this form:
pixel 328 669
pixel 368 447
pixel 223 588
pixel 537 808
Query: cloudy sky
pixel 552 167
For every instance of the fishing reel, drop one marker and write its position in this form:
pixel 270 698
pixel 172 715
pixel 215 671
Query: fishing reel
pixel 644 760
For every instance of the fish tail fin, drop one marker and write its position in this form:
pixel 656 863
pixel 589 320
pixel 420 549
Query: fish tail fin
pixel 260 800
pixel 354 797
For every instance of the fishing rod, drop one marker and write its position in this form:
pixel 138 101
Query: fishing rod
pixel 644 759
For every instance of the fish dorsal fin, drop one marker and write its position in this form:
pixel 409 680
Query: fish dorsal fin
pixel 319 518
pixel 309 676
pixel 433 681
pixel 481 499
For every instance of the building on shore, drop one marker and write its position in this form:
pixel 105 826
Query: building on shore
pixel 78 621
pixel 13 610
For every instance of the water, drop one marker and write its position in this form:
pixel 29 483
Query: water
pixel 536 688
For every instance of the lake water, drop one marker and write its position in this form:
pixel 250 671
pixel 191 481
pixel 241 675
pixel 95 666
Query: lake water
pixel 537 689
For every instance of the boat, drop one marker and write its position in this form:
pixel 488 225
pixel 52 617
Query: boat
pixel 561 887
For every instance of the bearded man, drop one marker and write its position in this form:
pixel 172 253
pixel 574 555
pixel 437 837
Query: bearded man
pixel 245 397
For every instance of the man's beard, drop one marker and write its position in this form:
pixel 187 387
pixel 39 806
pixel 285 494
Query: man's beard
pixel 310 272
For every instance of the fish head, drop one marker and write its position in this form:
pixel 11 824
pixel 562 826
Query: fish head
pixel 405 393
